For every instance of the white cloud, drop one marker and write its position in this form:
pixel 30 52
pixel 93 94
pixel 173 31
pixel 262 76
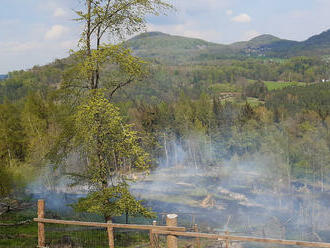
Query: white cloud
pixel 242 18
pixel 59 12
pixel 229 12
pixel 248 35
pixel 17 47
pixel 55 32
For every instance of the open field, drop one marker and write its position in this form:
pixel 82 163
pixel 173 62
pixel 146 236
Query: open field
pixel 280 85
pixel 251 100
pixel 277 85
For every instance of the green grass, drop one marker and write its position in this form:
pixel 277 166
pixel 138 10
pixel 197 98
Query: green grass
pixel 18 236
pixel 220 88
pixel 254 101
pixel 280 85
pixel 96 238
pixel 26 236
pixel 251 100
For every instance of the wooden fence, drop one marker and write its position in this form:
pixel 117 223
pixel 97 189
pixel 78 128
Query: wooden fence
pixel 171 230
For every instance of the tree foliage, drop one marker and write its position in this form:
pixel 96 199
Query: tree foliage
pixel 113 201
pixel 109 148
pixel 111 151
pixel 116 19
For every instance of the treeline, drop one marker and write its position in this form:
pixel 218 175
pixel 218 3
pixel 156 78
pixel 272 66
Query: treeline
pixel 179 119
pixel 31 129
pixel 226 76
pixel 302 69
pixel 210 78
pixel 40 78
pixel 207 132
pixel 294 99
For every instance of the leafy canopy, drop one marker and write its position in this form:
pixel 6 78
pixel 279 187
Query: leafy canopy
pixel 113 201
pixel 112 153
pixel 111 147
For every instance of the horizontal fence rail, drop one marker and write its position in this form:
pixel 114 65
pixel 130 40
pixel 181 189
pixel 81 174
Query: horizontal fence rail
pixel 171 230
pixel 113 225
pixel 242 238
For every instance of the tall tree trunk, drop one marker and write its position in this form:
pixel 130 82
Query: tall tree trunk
pixel 288 165
pixel 193 150
pixel 88 37
pixel 175 153
pixel 89 23
pixel 107 218
pixel 126 215
pixel 166 152
pixel 97 70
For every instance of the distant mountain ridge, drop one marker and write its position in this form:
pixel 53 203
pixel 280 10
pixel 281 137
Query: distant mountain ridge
pixel 260 40
pixel 166 48
pixel 178 49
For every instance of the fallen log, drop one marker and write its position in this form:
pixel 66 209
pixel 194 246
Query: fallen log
pixel 16 224
pixel 8 209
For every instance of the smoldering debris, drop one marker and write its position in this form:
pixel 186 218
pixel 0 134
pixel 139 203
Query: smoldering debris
pixel 55 188
pixel 208 202
pixel 260 199
pixel 233 195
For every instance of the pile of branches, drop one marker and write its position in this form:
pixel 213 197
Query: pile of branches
pixel 8 205
pixel 11 205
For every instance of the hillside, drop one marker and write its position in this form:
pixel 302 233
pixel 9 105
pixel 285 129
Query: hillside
pixel 171 49
pixel 191 65
pixel 158 40
pixel 258 41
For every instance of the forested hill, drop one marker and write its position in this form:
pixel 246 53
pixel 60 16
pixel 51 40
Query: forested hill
pixel 192 66
pixel 171 49
pixel 176 49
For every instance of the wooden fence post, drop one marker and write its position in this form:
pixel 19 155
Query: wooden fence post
pixel 41 226
pixel 153 237
pixel 110 235
pixel 198 241
pixel 227 240
pixel 172 220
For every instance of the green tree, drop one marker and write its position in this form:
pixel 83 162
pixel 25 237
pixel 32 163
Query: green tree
pixel 111 153
pixel 115 19
pixel 6 182
pixel 109 150
pixel 13 149
pixel 12 135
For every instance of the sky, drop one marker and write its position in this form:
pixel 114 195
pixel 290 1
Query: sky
pixel 36 32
